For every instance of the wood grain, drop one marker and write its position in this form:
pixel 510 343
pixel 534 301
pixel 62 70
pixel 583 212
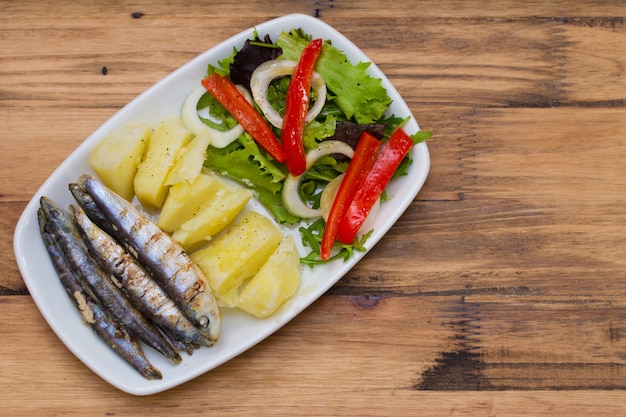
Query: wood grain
pixel 501 289
pixel 347 356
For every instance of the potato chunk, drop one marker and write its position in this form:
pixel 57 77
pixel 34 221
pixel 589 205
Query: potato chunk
pixel 213 216
pixel 116 157
pixel 184 200
pixel 238 254
pixel 168 138
pixel 188 164
pixel 277 280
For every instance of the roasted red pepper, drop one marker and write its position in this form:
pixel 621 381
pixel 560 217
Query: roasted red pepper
pixel 391 154
pixel 227 94
pixel 297 107
pixel 364 158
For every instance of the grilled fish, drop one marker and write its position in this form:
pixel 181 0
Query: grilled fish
pixel 89 273
pixel 163 257
pixel 113 334
pixel 89 207
pixel 147 296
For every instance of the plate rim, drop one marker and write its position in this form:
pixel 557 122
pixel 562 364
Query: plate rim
pixel 28 217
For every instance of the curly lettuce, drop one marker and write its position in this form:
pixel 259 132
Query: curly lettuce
pixel 360 96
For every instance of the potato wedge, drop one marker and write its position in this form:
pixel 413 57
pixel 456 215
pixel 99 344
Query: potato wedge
pixel 116 157
pixel 239 253
pixel 168 138
pixel 188 164
pixel 184 200
pixel 277 281
pixel 213 216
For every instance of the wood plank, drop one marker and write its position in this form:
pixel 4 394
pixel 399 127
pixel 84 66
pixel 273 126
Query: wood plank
pixel 509 62
pixel 327 9
pixel 11 281
pixel 431 343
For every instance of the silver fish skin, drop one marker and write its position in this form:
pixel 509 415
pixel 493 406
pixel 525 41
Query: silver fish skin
pixel 113 334
pixel 92 211
pixel 146 294
pixel 163 257
pixel 90 208
pixel 89 272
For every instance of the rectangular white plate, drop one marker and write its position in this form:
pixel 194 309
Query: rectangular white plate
pixel 239 331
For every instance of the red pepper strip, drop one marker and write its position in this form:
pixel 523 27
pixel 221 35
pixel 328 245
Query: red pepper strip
pixel 364 157
pixel 391 154
pixel 227 94
pixel 297 107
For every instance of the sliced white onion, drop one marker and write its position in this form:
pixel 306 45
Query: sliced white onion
pixel 268 71
pixel 328 196
pixel 191 119
pixel 291 188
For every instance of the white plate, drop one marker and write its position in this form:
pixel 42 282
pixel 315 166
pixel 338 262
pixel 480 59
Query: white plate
pixel 239 331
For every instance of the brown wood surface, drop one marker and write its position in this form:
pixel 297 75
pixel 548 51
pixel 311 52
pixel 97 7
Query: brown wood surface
pixel 501 291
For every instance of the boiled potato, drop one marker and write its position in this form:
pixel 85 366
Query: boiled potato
pixel 277 280
pixel 116 157
pixel 184 200
pixel 188 164
pixel 238 254
pixel 168 138
pixel 213 216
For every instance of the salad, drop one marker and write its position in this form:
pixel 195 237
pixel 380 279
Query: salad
pixel 307 131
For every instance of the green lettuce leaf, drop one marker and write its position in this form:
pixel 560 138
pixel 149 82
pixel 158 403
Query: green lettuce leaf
pixel 223 67
pixel 355 92
pixel 317 131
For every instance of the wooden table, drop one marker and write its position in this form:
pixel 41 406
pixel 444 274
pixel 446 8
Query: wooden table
pixel 501 290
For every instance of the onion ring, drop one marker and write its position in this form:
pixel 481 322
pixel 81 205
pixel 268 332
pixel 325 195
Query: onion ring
pixel 191 119
pixel 291 188
pixel 269 70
